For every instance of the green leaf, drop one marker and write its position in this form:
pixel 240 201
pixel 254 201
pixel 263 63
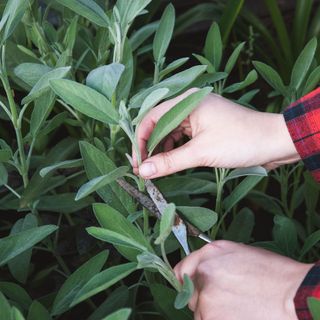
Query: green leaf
pixel 175 84
pixel 115 238
pixel 16 314
pixel 185 294
pixel 76 281
pixel 171 120
pixel 85 100
pixel 111 219
pixel 117 299
pixel 164 298
pixel 38 311
pixel 164 34
pixel 234 58
pixel 250 79
pixel 122 314
pixel 105 79
pixel 230 14
pixel 61 165
pixel 303 63
pixel 16 294
pixel 96 164
pixel 309 243
pixel 150 101
pixel 88 9
pixel 312 81
pixel 241 191
pixel 314 307
pixel 241 227
pixel 285 235
pixel 205 62
pixel 31 73
pixel 12 16
pixel 241 172
pixel 3 175
pixel 140 36
pixel 213 46
pixel 271 76
pixel 103 281
pixel 13 245
pixel 166 222
pixel 173 66
pixel 202 218
pixel 19 266
pixel 42 86
pixel 5 308
pixel 100 182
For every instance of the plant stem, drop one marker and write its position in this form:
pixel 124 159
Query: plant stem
pixel 13 191
pixel 164 254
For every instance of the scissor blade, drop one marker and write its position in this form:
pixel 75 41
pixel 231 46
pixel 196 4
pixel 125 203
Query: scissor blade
pixel 179 229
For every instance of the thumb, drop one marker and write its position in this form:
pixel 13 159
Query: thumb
pixel 166 163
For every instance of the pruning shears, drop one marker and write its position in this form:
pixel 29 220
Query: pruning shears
pixel 156 204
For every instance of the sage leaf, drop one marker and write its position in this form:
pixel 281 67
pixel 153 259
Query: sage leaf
pixel 115 238
pixel 303 63
pixel 241 191
pixel 3 175
pixel 99 182
pixel 164 33
pixel 241 227
pixel 233 58
pixel 122 314
pixel 112 219
pixel 76 281
pixel 312 81
pixel 43 84
pixel 205 62
pixel 5 308
pixel 309 243
pixel 16 293
pixel 250 79
pixel 38 311
pixel 14 245
pixel 185 294
pixel 271 76
pixel 175 84
pixel 86 100
pixel 31 73
pixel 200 217
pixel 252 171
pixel 314 307
pixel 12 16
pixel 166 222
pixel 173 66
pixel 61 165
pixel 285 235
pixel 103 281
pixel 150 101
pixel 141 35
pixel 88 9
pixel 105 79
pixel 171 120
pixel 213 46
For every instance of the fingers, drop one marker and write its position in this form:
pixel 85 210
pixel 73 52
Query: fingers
pixel 150 120
pixel 185 157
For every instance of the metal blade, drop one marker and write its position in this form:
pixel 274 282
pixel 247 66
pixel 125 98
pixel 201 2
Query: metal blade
pixel 179 229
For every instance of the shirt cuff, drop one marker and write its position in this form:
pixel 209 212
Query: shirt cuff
pixel 303 122
pixel 310 287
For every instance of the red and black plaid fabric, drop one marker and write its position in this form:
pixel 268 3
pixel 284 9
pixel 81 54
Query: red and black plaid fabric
pixel 310 287
pixel 303 122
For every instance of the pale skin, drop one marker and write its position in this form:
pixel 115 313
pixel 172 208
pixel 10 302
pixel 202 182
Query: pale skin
pixel 232 281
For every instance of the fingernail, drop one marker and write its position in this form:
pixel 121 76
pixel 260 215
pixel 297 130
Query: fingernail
pixel 147 169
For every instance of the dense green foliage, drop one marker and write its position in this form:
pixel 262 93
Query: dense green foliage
pixel 77 77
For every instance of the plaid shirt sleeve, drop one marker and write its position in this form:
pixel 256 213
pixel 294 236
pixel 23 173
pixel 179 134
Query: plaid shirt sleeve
pixel 310 287
pixel 303 122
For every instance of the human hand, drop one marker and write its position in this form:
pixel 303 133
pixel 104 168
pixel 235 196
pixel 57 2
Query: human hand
pixel 223 134
pixel 238 282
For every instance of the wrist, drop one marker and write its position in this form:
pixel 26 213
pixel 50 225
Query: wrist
pixel 281 146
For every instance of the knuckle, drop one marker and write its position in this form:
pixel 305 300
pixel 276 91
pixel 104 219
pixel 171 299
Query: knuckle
pixel 168 160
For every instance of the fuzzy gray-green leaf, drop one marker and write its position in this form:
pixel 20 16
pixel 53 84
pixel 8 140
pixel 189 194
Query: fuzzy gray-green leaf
pixel 171 120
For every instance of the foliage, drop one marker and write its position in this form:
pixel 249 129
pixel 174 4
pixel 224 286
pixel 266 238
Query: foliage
pixel 77 79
